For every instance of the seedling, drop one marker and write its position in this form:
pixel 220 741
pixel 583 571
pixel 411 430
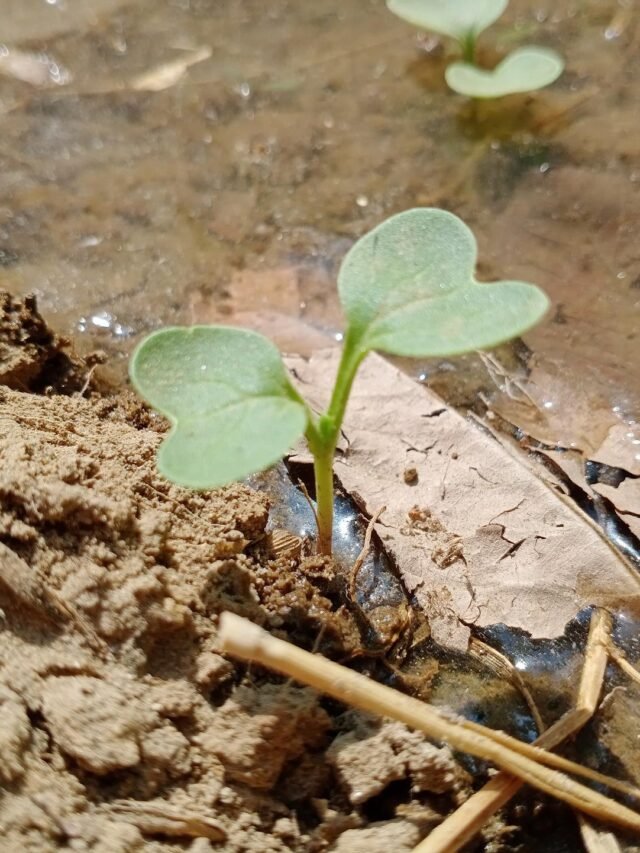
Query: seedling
pixel 524 70
pixel 462 20
pixel 521 71
pixel 407 288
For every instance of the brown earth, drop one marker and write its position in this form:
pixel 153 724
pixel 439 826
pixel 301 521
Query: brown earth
pixel 123 728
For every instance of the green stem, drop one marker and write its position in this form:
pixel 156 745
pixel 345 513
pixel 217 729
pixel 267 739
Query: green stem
pixel 323 472
pixel 468 45
pixel 322 438
pixel 352 356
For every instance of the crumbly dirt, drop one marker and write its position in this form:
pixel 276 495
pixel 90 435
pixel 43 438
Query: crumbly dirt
pixel 32 357
pixel 123 727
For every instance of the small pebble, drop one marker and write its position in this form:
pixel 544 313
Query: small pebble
pixel 410 476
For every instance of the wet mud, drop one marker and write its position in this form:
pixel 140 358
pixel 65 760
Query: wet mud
pixel 136 194
pixel 124 728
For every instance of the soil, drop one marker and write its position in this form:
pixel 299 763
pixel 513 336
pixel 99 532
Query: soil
pixel 231 195
pixel 123 727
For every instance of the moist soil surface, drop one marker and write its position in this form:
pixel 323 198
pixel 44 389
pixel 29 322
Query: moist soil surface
pixel 123 727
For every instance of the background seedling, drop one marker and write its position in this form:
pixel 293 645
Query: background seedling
pixel 521 71
pixel 524 70
pixel 407 288
pixel 462 20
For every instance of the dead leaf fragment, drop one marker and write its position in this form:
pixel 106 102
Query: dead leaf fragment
pixel 620 449
pixel 524 556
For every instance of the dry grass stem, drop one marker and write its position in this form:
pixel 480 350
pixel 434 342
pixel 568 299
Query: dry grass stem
pixel 245 640
pixel 597 840
pixel 571 722
pixel 162 819
pixel 620 658
pixel 305 492
pixel 362 556
pixel 468 820
pixel 503 667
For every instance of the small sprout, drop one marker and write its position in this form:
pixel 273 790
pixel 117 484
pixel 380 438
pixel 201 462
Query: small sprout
pixel 524 70
pixel 462 20
pixel 407 288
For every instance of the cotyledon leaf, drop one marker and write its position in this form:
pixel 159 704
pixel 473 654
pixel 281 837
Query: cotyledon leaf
pixel 523 70
pixel 228 397
pixel 458 19
pixel 408 288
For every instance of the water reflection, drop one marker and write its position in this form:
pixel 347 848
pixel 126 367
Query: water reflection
pixel 104 324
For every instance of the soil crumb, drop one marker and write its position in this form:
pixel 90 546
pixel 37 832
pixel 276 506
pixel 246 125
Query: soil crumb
pixel 32 357
pixel 123 727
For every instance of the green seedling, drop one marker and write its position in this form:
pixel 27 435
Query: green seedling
pixel 524 70
pixel 521 71
pixel 407 288
pixel 462 20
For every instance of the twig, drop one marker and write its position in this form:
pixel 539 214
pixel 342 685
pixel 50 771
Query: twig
pixel 501 665
pixel 162 819
pixel 594 839
pixel 620 658
pixel 466 821
pixel 87 381
pixel 245 640
pixel 597 840
pixel 537 751
pixel 305 492
pixel 362 556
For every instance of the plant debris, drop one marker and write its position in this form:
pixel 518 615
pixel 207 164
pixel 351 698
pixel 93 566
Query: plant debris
pixel 479 539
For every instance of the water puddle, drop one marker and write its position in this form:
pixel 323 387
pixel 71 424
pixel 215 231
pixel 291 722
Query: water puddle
pixel 103 324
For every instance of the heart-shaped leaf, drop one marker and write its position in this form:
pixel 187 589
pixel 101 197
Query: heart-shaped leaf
pixel 408 288
pixel 459 19
pixel 524 70
pixel 228 396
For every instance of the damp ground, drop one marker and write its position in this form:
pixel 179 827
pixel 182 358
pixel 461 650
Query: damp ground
pixel 198 161
pixel 125 729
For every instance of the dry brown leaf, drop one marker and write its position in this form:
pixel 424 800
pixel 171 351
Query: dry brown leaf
pixel 555 408
pixel 585 374
pixel 620 450
pixel 490 542
pixel 269 301
pixel 568 463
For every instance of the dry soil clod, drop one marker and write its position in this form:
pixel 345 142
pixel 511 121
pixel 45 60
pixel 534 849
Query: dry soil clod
pixel 531 764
